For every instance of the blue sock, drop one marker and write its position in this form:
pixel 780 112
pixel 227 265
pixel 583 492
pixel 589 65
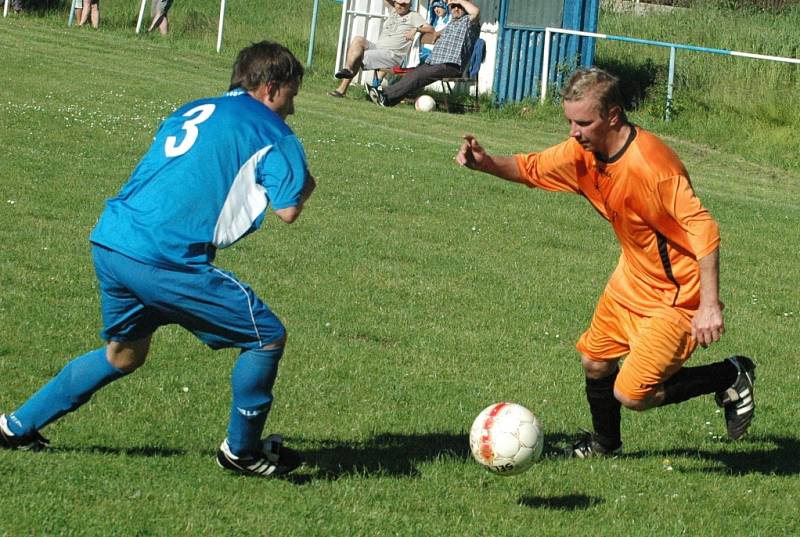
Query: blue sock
pixel 251 381
pixel 68 390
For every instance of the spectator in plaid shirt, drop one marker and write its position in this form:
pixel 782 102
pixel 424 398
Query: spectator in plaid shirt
pixel 449 56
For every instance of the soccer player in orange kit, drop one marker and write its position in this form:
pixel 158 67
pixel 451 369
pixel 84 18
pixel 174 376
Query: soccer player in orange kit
pixel 662 300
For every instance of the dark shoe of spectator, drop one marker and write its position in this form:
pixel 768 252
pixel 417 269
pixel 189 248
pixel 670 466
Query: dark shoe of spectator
pixel 335 93
pixel 376 96
pixel 344 73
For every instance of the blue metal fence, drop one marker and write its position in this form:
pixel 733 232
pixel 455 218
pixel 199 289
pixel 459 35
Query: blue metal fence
pixel 553 36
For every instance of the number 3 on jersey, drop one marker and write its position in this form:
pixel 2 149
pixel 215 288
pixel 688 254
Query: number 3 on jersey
pixel 203 112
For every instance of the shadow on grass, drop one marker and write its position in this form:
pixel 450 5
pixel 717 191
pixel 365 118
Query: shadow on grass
pixel 781 459
pixel 384 454
pixel 399 455
pixel 730 458
pixel 567 502
pixel 40 7
pixel 637 78
pixel 139 451
pixel 746 456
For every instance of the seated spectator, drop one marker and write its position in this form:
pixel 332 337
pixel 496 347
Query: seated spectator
pixel 440 16
pixel 449 56
pixel 389 50
pixel 158 14
pixel 91 12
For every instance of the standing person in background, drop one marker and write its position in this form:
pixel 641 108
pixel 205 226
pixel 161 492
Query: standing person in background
pixel 91 13
pixel 78 6
pixel 214 169
pixel 663 298
pixel 158 14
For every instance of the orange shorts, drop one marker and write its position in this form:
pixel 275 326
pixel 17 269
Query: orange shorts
pixel 655 347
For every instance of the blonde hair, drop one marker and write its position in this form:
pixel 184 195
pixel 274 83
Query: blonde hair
pixel 595 83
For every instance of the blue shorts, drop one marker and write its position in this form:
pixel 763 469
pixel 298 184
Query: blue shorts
pixel 137 298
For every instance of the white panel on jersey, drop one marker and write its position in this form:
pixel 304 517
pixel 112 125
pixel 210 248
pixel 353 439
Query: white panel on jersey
pixel 245 202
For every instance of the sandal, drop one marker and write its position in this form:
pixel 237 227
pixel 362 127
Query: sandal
pixel 336 94
pixel 344 73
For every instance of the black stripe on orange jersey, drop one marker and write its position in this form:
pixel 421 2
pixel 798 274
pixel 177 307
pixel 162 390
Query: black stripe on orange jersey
pixel 665 262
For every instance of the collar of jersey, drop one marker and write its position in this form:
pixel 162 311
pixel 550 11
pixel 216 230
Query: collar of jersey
pixel 618 155
pixel 235 92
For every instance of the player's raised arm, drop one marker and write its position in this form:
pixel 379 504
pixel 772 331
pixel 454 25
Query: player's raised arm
pixel 473 156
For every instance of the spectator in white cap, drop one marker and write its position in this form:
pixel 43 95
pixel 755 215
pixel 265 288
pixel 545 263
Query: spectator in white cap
pixel 397 35
pixel 448 58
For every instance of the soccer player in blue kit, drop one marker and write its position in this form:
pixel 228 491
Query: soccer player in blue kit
pixel 215 167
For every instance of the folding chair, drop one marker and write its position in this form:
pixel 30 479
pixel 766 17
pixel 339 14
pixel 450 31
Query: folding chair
pixel 412 55
pixel 470 74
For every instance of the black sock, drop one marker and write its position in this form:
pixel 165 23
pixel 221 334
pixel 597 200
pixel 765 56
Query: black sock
pixel 605 411
pixel 690 382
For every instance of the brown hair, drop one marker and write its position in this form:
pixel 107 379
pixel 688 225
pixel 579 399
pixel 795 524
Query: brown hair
pixel 265 62
pixel 597 84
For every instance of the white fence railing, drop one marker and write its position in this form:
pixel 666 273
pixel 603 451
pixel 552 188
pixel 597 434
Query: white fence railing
pixel 672 48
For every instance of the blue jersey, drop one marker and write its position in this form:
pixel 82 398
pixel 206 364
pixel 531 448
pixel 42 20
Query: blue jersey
pixel 214 168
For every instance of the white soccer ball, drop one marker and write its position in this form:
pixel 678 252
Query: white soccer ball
pixel 425 103
pixel 506 439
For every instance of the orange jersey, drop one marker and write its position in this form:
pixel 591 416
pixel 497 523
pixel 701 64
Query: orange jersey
pixel 646 194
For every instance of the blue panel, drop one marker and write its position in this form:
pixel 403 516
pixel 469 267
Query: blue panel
pixel 591 11
pixel 520 49
pixel 530 73
pixel 571 17
pixel 513 63
pixel 537 66
pixel 504 67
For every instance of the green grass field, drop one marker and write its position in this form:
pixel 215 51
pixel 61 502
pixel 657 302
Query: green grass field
pixel 415 294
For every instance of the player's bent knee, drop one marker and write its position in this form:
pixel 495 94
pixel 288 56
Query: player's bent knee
pixel 128 356
pixel 632 404
pixel 280 343
pixel 128 364
pixel 598 369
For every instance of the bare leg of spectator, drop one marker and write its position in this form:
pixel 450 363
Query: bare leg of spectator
pixel 95 15
pixel 161 22
pixel 353 63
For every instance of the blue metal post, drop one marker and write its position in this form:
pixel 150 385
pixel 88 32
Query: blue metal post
pixel 313 34
pixel 71 12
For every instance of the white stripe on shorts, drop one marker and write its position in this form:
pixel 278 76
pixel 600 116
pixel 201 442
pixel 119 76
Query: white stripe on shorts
pixel 249 304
